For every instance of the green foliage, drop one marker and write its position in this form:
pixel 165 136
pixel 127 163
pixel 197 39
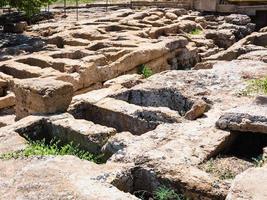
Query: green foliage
pixel 196 31
pixel 145 71
pixel 255 86
pixel 30 7
pixel 42 148
pixel 161 193
pixel 164 193
pixel 260 160
pixel 3 3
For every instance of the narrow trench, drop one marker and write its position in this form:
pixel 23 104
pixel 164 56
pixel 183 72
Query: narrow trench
pixel 165 97
pixel 42 133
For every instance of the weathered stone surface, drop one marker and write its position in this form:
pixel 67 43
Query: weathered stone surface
pixel 222 38
pixel 172 147
pixel 58 178
pixel 253 42
pixel 11 141
pixel 127 81
pixel 171 16
pixel 124 116
pixel 41 96
pixel 117 142
pixel 246 118
pixel 10 138
pixel 197 109
pixel 171 115
pixel 251 184
pixel 88 135
pixel 238 19
pixel 7 101
pixel 7 119
pixel 255 55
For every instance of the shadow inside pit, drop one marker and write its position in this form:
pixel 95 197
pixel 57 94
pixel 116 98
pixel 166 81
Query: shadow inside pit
pixel 163 97
pixel 43 133
pixel 243 151
pixel 247 145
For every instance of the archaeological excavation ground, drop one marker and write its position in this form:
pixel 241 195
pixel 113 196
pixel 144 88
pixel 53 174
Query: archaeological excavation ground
pixel 134 103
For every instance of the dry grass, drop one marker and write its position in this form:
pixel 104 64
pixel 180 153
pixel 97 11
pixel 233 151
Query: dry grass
pixel 225 167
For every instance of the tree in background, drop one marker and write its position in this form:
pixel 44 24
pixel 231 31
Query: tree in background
pixel 30 7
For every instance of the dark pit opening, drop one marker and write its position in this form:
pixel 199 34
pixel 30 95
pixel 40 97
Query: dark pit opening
pixel 44 133
pixel 247 145
pixel 245 150
pixel 120 121
pixel 163 97
pixel 146 185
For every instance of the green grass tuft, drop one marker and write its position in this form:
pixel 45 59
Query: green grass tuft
pixel 164 193
pixel 42 148
pixel 255 86
pixel 145 71
pixel 196 31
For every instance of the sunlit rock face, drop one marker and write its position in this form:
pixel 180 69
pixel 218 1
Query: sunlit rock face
pixel 147 102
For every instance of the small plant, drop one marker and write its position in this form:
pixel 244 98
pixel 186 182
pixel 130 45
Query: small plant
pixel 145 71
pixel 221 173
pixel 260 160
pixel 195 31
pixel 255 86
pixel 42 148
pixel 164 193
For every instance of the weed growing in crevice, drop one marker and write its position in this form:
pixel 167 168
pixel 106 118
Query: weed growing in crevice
pixel 260 160
pixel 44 148
pixel 161 193
pixel 145 71
pixel 223 174
pixel 165 193
pixel 226 166
pixel 255 86
pixel 196 31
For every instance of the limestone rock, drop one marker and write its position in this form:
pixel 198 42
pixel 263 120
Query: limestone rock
pixel 198 108
pixel 86 134
pixel 10 138
pixel 264 29
pixel 222 38
pixel 127 81
pixel 41 96
pixel 171 16
pixel 64 177
pixel 255 55
pixel 170 147
pixel 247 118
pixel 254 42
pixel 117 142
pixel 123 115
pixel 238 19
pixel 7 101
pixel 250 184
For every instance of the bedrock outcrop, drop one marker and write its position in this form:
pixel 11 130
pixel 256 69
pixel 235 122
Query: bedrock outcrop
pixel 156 95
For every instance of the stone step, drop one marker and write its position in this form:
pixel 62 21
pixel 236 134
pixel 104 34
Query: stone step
pixel 86 134
pixel 20 70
